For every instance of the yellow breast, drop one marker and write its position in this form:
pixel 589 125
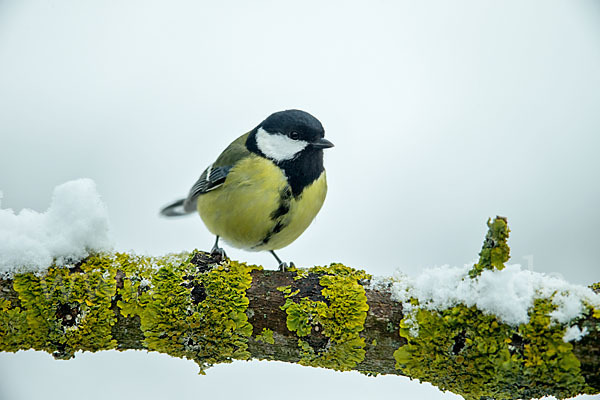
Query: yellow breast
pixel 246 211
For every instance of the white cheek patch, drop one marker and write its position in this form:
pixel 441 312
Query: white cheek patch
pixel 278 147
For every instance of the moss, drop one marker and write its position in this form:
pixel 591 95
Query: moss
pixel 495 251
pixel 208 304
pixel 266 336
pixel 475 355
pixel 63 311
pixel 328 325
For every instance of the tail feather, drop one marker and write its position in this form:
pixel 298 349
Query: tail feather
pixel 175 209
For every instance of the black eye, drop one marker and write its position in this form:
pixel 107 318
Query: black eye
pixel 294 135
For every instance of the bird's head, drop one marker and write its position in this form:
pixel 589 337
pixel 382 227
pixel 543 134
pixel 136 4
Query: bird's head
pixel 285 135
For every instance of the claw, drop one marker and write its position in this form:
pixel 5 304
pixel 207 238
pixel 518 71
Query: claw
pixel 284 266
pixel 218 253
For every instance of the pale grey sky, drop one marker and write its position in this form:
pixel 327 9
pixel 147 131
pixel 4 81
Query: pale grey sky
pixel 444 113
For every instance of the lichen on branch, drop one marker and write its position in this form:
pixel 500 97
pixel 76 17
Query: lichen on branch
pixel 212 310
pixel 495 251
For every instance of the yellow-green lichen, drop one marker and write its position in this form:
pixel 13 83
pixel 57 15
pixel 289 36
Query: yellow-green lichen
pixel 194 312
pixel 63 311
pixel 495 251
pixel 595 311
pixel 329 326
pixel 473 354
pixel 266 336
pixel 183 309
pixel 287 291
pixel 332 269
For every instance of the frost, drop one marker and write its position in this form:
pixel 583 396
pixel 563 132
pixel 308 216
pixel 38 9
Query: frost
pixel 75 224
pixel 507 293
pixel 574 333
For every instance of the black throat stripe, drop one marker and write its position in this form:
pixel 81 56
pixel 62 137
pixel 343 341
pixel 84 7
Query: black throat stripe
pixel 303 170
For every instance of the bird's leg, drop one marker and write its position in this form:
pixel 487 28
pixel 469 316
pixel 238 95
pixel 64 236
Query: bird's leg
pixel 216 251
pixel 282 265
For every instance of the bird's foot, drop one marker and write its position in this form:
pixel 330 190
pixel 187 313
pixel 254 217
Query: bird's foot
pixel 218 253
pixel 285 266
pixel 282 265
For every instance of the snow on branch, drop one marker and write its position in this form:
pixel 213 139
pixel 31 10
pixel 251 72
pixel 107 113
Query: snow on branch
pixel 75 224
pixel 488 330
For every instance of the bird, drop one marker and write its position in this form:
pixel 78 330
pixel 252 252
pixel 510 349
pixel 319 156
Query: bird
pixel 265 188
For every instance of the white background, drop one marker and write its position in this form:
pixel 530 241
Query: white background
pixel 443 113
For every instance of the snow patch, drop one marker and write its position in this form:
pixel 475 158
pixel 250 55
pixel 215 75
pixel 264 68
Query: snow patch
pixel 507 293
pixel 75 224
pixel 574 333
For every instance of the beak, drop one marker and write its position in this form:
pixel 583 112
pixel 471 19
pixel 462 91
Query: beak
pixel 322 144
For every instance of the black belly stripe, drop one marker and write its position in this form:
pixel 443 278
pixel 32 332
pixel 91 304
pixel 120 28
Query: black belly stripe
pixel 285 199
pixel 281 211
pixel 276 229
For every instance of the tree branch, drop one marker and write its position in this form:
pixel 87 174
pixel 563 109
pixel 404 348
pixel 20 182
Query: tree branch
pixel 211 311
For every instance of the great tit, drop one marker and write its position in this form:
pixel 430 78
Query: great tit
pixel 265 188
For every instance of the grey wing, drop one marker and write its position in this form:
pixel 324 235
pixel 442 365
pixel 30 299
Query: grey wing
pixel 212 178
